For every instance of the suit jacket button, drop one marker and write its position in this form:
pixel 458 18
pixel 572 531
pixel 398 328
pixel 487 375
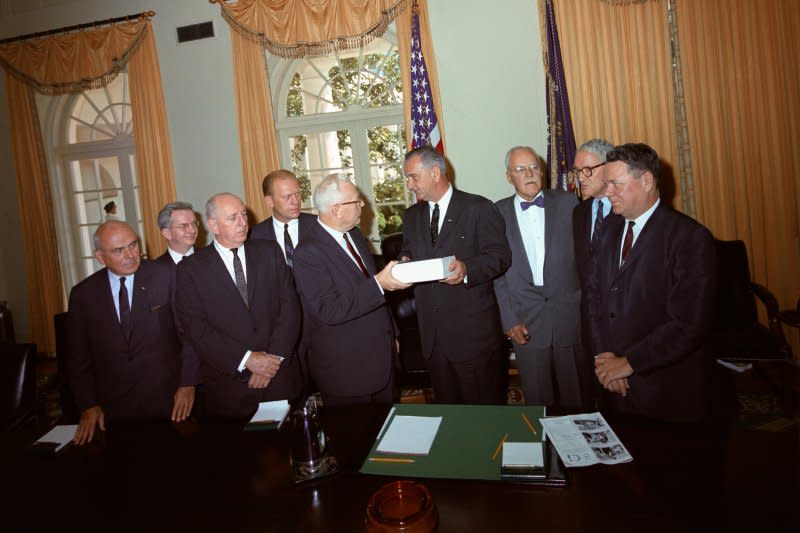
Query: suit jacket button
pixel 611 315
pixel 613 289
pixel 435 308
pixel 546 300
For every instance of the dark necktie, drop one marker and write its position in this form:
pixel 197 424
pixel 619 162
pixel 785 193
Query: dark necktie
pixel 288 246
pixel 598 221
pixel 538 202
pixel 355 255
pixel 626 246
pixel 238 272
pixel 435 224
pixel 124 310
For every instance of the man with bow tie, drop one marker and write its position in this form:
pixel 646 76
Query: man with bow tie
pixel 540 294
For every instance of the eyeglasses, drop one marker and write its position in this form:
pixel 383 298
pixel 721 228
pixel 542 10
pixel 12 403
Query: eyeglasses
pixel 586 172
pixel 186 225
pixel 519 169
pixel 351 202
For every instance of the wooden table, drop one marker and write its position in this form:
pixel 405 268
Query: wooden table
pixel 214 477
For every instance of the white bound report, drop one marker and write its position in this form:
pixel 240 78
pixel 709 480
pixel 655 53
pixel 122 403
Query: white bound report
pixel 425 270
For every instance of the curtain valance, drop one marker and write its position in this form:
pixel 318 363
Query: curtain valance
pixel 310 28
pixel 73 62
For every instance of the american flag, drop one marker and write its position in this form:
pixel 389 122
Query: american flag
pixel 424 124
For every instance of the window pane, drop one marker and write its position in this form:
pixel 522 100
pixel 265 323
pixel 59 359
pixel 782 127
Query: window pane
pixel 317 155
pixel 369 77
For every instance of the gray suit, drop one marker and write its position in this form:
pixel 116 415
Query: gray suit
pixel 552 365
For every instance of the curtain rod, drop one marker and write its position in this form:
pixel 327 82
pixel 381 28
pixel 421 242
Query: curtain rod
pixel 65 29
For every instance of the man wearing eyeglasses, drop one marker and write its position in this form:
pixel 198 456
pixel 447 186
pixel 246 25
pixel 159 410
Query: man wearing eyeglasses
pixel 288 225
pixel 178 224
pixel 125 360
pixel 351 340
pixel 540 294
pixel 650 297
pixel 590 215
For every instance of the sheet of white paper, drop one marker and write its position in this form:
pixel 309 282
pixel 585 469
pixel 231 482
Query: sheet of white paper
pixel 61 435
pixel 410 434
pixel 271 411
pixel 523 454
pixel 385 423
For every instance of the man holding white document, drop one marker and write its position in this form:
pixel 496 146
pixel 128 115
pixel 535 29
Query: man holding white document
pixel 351 335
pixel 458 317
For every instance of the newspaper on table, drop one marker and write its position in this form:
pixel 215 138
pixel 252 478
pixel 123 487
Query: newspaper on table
pixel 585 439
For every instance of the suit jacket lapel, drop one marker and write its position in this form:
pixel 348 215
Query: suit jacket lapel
pixel 253 275
pixel 219 273
pixel 336 250
pixel 363 249
pixel 549 229
pixel 644 239
pixel 451 217
pixel 517 244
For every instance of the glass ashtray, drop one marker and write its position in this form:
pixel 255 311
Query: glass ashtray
pixel 402 506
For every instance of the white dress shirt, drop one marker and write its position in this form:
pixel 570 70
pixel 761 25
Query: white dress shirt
pixel 113 279
pixel 177 256
pixel 638 224
pixel 531 226
pixel 294 232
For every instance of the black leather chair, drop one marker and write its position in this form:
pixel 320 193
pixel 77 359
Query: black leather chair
pixel 17 382
pixel 737 334
pixel 413 373
pixel 69 411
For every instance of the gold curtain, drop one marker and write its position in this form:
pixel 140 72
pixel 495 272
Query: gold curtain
pixel 298 28
pixel 742 89
pixel 403 22
pixel 258 142
pixel 617 64
pixel 154 170
pixel 45 287
pixel 72 62
pixel 303 28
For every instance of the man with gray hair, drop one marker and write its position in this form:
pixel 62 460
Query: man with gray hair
pixel 125 359
pixel 178 224
pixel 351 334
pixel 589 216
pixel 238 304
pixel 458 318
pixel 540 294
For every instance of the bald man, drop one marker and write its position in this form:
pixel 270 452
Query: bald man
pixel 125 360
pixel 239 307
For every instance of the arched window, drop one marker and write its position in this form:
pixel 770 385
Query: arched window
pixel 93 170
pixel 344 113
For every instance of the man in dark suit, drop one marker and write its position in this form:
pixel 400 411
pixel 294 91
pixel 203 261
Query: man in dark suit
pixel 125 355
pixel 650 297
pixel 458 317
pixel 589 216
pixel 178 224
pixel 540 294
pixel 352 344
pixel 288 225
pixel 238 304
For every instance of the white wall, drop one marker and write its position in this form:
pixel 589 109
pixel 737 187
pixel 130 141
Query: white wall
pixel 491 77
pixel 490 73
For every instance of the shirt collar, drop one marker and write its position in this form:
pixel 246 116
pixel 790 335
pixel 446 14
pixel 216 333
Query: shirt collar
pixel 642 219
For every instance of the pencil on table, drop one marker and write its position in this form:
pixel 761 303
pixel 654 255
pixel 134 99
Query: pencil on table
pixel 390 460
pixel 528 421
pixel 499 447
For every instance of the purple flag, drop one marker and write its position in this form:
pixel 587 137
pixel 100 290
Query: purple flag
pixel 560 135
